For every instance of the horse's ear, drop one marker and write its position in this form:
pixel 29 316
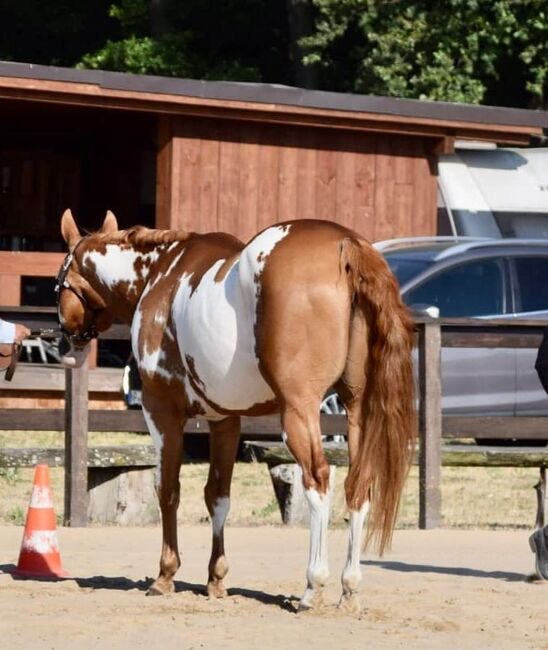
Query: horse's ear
pixel 69 229
pixel 109 224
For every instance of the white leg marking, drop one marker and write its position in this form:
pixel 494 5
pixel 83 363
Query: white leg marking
pixel 352 574
pixel 158 440
pixel 318 570
pixel 220 513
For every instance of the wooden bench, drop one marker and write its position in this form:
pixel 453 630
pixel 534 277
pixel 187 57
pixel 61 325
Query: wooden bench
pixel 120 480
pixel 286 476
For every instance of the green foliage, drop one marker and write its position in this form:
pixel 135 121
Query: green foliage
pixel 10 475
pixel 204 40
pixel 270 508
pixel 16 516
pixel 488 51
pixel 143 55
pixel 452 50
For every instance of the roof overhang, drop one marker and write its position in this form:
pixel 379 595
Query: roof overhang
pixel 270 103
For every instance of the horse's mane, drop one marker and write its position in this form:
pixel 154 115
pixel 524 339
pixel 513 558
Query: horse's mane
pixel 142 236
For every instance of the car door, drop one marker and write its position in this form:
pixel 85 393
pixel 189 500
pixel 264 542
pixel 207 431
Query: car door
pixel 474 380
pixel 530 278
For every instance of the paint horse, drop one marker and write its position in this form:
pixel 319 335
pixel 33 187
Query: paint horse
pixel 220 329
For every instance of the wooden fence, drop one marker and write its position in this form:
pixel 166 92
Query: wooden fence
pixel 432 335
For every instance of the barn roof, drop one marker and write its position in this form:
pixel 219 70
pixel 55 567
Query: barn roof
pixel 267 103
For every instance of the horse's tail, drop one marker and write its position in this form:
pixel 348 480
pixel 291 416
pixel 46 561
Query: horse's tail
pixel 389 421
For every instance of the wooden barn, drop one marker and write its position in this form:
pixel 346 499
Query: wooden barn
pixel 197 155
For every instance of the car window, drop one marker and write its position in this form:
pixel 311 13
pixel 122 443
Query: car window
pixel 404 268
pixel 532 275
pixel 471 289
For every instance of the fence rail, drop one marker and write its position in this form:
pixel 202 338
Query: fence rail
pixel 431 336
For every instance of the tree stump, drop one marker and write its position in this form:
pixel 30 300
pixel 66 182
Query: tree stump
pixel 289 490
pixel 124 496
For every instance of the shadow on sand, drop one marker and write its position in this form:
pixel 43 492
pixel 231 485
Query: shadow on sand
pixel 120 583
pixel 444 570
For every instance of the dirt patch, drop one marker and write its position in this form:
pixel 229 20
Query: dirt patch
pixel 435 589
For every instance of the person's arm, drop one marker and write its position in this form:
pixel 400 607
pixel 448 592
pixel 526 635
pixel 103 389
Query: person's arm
pixel 10 332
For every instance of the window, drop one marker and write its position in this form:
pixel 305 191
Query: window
pixel 471 289
pixel 532 275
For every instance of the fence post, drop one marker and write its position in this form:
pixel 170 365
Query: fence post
pixel 429 425
pixel 76 446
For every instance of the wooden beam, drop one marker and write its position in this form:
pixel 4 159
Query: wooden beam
pixel 429 425
pixel 82 94
pixel 166 182
pixel 276 453
pixel 10 289
pixel 76 443
pixel 103 456
pixel 30 263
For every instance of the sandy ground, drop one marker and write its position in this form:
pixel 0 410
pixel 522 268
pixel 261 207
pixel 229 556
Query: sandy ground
pixel 435 589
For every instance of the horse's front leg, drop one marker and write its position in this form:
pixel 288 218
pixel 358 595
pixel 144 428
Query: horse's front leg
pixel 166 424
pixel 224 439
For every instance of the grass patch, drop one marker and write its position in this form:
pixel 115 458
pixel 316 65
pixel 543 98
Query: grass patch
pixel 472 497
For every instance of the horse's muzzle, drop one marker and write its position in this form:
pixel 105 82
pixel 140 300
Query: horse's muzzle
pixel 72 355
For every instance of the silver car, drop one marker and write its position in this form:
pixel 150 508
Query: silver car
pixel 488 278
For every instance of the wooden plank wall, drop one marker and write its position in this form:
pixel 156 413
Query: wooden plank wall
pixel 14 265
pixel 242 176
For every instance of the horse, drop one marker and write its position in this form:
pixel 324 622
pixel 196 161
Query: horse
pixel 221 329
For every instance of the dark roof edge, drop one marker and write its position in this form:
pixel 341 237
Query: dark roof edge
pixel 282 95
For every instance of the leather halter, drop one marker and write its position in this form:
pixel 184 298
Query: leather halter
pixel 62 283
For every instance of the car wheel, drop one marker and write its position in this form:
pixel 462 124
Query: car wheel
pixel 332 405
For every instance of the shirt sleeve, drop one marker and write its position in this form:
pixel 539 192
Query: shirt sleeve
pixel 7 332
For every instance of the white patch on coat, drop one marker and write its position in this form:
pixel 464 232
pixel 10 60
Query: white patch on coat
pixel 154 363
pixel 352 573
pixel 220 512
pixel 318 569
pixel 158 440
pixel 215 327
pixel 118 264
pixel 253 258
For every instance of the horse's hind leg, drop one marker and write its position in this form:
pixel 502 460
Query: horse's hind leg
pixel 224 439
pixel 301 427
pixel 166 427
pixel 351 388
pixel 352 573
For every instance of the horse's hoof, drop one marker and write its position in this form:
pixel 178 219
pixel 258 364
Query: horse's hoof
pixel 312 599
pixel 350 602
pixel 216 590
pixel 152 591
pixel 158 589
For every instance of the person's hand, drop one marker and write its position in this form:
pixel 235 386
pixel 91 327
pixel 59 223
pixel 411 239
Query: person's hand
pixel 21 332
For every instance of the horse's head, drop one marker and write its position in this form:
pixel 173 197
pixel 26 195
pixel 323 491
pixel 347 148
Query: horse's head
pixel 81 310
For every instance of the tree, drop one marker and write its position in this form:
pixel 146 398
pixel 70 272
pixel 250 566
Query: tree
pixel 452 50
pixel 244 40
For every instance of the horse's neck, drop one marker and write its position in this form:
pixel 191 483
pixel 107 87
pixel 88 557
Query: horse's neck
pixel 120 273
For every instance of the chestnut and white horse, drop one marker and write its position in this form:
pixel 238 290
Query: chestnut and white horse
pixel 220 329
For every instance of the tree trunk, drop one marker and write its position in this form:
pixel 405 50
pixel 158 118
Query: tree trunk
pixel 159 24
pixel 299 15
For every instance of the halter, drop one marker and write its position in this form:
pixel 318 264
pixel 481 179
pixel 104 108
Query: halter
pixel 62 283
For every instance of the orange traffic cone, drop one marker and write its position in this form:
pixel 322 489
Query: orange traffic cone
pixel 39 556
